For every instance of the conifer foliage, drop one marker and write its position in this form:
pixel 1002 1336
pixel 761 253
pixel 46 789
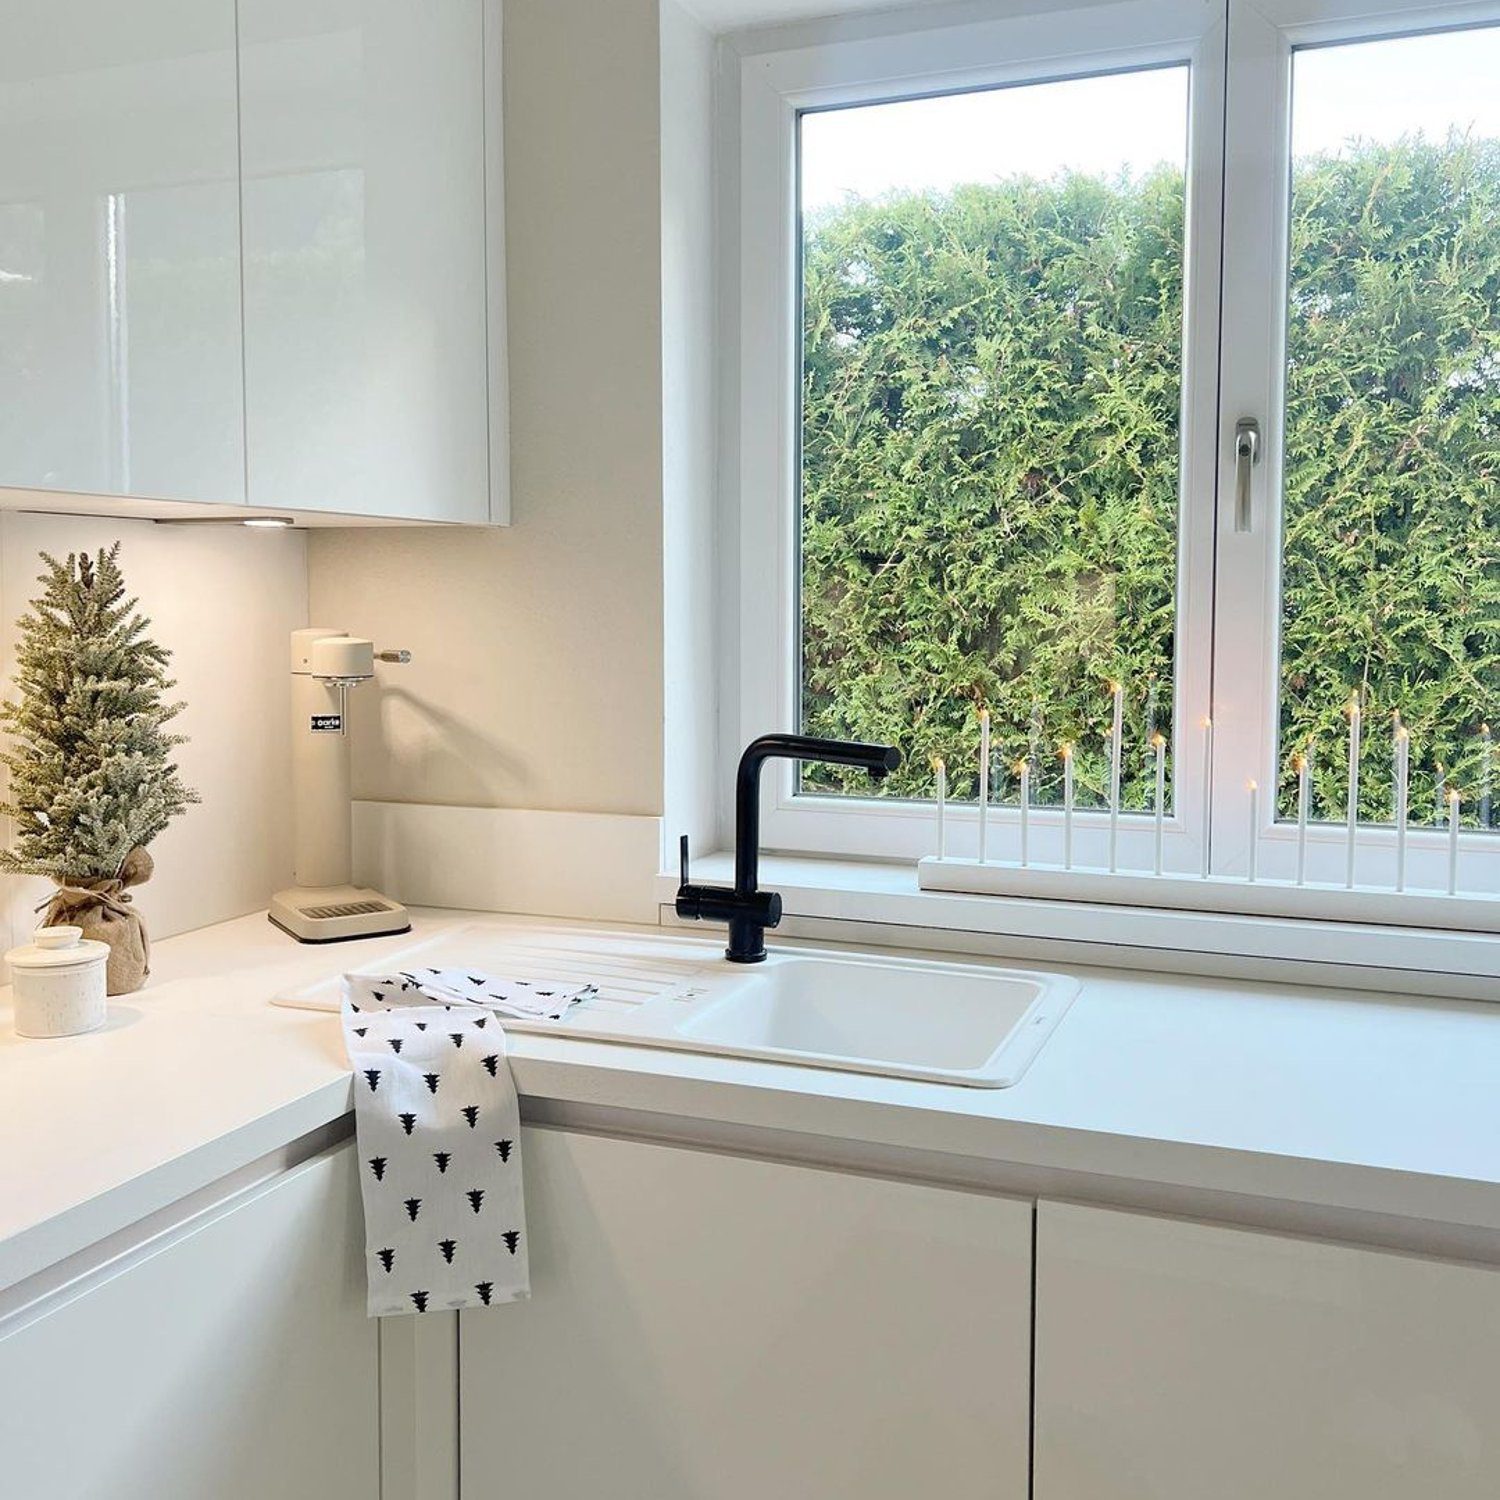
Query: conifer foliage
pixel 91 770
pixel 990 466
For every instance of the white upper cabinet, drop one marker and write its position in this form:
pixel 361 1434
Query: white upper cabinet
pixel 120 370
pixel 362 136
pixel 254 252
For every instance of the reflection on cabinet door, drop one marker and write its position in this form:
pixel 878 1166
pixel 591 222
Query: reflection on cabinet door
pixel 119 249
pixel 711 1327
pixel 234 1363
pixel 1183 1361
pixel 363 153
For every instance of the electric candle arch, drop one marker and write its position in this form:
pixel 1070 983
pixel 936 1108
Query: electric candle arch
pixel 1248 892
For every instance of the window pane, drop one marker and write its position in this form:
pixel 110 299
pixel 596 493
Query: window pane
pixel 1390 585
pixel 991 388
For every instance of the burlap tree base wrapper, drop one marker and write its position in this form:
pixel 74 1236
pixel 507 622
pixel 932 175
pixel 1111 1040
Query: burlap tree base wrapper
pixel 104 910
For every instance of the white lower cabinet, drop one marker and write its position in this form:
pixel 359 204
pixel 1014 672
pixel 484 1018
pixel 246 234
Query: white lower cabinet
pixel 1187 1361
pixel 706 1326
pixel 235 1362
pixel 714 1327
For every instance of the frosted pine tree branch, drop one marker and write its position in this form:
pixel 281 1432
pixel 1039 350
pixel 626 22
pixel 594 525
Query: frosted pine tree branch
pixel 91 774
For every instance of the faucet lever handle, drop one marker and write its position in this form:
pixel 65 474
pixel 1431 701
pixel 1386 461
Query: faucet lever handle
pixel 682 858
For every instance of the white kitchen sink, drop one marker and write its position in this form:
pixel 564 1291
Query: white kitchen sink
pixel 957 1023
pixel 949 1023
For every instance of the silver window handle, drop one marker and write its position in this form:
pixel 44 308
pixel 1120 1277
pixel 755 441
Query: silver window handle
pixel 1246 456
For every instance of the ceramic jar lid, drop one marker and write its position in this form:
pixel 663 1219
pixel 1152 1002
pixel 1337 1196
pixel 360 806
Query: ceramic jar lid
pixel 58 948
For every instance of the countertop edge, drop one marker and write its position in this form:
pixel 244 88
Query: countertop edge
pixel 903 1136
pixel 722 1104
pixel 47 1244
pixel 905 1140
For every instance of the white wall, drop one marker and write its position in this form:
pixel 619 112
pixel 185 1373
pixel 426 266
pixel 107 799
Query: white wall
pixel 537 671
pixel 689 418
pixel 567 665
pixel 223 600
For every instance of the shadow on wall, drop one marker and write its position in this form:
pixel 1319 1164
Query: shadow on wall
pixel 536 674
pixel 223 600
pixel 438 748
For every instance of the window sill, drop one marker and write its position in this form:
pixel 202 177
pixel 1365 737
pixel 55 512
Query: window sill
pixel 869 902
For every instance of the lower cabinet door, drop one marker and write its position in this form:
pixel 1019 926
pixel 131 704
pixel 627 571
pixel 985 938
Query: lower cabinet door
pixel 234 1363
pixel 713 1327
pixel 1187 1361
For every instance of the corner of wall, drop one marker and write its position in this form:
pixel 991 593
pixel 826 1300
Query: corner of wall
pixel 690 418
pixel 223 600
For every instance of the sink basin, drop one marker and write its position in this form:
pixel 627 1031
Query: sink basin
pixel 956 1023
pixel 950 1023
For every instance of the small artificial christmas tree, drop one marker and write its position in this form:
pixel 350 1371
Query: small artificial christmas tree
pixel 92 781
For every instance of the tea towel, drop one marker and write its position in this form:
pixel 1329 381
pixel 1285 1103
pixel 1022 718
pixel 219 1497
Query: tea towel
pixel 437 1127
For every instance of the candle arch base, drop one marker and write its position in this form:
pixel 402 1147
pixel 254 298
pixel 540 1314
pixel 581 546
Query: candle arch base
pixel 1215 893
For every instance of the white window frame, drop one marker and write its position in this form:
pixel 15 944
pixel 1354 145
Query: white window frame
pixel 1022 48
pixel 1262 39
pixel 1222 575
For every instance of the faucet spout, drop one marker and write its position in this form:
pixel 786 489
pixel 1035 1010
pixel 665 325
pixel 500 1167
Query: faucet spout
pixel 745 907
pixel 878 760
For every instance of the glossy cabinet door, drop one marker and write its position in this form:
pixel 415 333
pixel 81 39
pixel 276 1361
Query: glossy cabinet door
pixel 714 1327
pixel 1181 1361
pixel 232 1362
pixel 120 367
pixel 363 155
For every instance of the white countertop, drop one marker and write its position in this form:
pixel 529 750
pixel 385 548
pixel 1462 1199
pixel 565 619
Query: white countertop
pixel 1330 1099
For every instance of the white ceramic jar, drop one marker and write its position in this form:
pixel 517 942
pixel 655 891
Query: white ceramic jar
pixel 58 983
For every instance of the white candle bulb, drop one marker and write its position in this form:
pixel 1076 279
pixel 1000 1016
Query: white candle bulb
pixel 984 783
pixel 1453 843
pixel 1403 773
pixel 1208 782
pixel 1254 791
pixel 1299 763
pixel 1159 744
pixel 1353 806
pixel 1023 770
pixel 1067 760
pixel 1486 757
pixel 1116 738
pixel 1397 730
pixel 940 767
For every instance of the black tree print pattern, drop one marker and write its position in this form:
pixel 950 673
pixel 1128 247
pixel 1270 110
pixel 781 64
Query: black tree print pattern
pixel 439 1133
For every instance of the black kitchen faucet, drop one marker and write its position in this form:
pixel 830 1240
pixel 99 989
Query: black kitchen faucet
pixel 747 909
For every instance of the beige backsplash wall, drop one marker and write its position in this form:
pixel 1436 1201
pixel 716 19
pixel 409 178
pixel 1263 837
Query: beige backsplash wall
pixel 223 600
pixel 537 673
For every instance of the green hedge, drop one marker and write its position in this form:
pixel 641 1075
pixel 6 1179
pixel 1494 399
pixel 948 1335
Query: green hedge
pixel 990 467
